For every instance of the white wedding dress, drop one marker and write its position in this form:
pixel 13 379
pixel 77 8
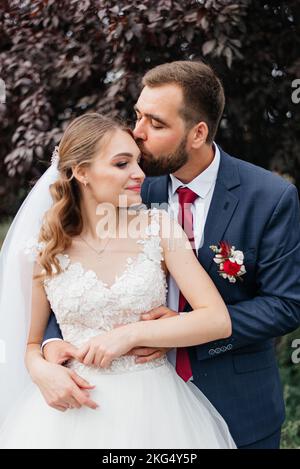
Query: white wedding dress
pixel 140 405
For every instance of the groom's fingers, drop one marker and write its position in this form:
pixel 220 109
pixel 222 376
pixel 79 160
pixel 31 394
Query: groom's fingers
pixel 131 352
pixel 153 314
pixel 157 313
pixel 143 351
pixel 57 351
pixel 147 351
pixel 115 326
pixel 149 358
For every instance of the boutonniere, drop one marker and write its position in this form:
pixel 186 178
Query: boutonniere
pixel 230 261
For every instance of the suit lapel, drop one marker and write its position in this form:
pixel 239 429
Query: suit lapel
pixel 157 191
pixel 222 208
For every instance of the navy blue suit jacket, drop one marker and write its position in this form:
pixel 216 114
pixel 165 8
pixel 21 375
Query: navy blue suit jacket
pixel 258 213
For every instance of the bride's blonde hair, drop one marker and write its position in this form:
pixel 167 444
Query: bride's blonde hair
pixel 78 146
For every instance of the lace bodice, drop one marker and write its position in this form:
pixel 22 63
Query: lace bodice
pixel 85 306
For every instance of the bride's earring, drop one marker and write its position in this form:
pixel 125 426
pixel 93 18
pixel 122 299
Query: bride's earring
pixel 85 183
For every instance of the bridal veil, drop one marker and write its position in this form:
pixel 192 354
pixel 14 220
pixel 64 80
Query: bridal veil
pixel 16 269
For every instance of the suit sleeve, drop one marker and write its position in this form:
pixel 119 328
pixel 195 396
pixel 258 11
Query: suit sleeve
pixel 53 330
pixel 275 311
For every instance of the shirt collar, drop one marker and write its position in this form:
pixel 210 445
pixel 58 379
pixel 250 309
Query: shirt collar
pixel 203 183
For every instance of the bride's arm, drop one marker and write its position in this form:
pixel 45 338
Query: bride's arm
pixel 60 386
pixel 40 311
pixel 209 319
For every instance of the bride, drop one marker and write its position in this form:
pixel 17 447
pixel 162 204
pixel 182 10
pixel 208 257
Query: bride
pixel 98 282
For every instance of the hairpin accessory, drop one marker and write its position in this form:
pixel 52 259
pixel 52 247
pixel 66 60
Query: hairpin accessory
pixel 55 157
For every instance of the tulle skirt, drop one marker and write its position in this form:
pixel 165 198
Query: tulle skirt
pixel 151 408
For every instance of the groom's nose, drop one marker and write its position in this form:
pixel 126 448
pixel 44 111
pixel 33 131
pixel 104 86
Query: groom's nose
pixel 139 131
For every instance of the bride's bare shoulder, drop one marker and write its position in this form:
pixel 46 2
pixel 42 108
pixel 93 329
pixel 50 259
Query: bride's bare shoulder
pixel 171 233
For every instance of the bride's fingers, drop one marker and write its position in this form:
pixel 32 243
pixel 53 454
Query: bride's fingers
pixel 81 353
pixel 60 408
pixel 98 358
pixel 82 383
pixel 89 358
pixel 73 403
pixel 106 362
pixel 61 405
pixel 85 400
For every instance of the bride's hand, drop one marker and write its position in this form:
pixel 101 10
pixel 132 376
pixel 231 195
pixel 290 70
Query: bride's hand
pixel 61 388
pixel 101 350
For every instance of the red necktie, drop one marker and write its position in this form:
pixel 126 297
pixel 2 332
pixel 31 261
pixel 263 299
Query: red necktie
pixel 186 197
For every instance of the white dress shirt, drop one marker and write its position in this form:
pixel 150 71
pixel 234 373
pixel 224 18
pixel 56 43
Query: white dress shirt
pixel 203 185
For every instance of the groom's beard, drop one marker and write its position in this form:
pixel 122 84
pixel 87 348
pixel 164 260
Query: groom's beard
pixel 163 165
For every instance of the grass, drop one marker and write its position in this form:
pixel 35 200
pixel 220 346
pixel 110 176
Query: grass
pixel 290 375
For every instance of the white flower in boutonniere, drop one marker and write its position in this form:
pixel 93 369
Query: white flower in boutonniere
pixel 230 261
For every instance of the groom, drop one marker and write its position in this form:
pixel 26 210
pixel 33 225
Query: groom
pixel 178 113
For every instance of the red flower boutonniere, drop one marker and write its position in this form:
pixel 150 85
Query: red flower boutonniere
pixel 230 261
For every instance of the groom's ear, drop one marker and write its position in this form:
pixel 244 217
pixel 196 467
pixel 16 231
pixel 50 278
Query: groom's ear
pixel 198 135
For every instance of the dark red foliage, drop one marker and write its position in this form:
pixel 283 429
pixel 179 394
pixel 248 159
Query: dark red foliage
pixel 61 58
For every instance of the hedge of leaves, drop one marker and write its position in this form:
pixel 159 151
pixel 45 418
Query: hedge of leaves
pixel 290 374
pixel 61 58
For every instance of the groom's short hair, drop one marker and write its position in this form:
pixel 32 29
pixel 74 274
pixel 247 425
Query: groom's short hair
pixel 203 92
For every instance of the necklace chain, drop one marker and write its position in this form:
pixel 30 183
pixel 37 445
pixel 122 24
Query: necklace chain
pixel 98 252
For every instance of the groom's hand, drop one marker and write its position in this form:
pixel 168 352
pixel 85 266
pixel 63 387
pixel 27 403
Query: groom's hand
pixel 59 352
pixel 161 312
pixel 147 354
